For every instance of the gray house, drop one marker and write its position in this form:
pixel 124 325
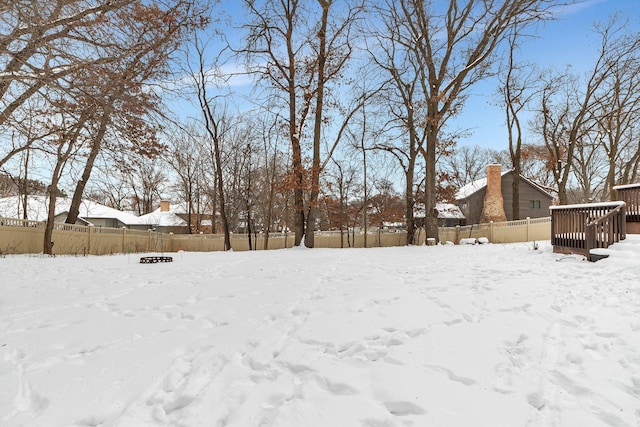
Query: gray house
pixel 534 200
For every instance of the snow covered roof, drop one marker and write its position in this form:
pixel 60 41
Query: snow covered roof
pixel 479 184
pixel 445 211
pixel 474 186
pixel 449 211
pixel 161 218
pixel 37 208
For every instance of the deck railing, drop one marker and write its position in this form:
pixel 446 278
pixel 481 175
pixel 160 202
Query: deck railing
pixel 580 228
pixel 630 194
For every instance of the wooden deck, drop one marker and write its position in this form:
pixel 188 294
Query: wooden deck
pixel 577 229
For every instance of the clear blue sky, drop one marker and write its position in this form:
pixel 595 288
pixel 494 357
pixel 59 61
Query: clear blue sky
pixel 569 40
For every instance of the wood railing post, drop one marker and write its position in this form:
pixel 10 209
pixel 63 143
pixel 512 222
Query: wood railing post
pixel 590 237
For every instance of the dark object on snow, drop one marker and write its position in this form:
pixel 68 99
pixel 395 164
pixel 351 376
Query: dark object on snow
pixel 594 256
pixel 155 259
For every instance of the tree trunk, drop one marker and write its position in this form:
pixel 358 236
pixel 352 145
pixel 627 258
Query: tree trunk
pixel 515 206
pixel 25 187
pixel 223 210
pixel 431 214
pixel 410 203
pixel 47 246
pixel 517 171
pixel 298 192
pixel 74 209
pixel 611 178
pixel 272 187
pixel 317 127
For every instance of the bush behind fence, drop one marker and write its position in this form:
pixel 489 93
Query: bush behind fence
pixel 24 237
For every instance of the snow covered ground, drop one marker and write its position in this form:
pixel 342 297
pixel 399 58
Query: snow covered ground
pixel 485 335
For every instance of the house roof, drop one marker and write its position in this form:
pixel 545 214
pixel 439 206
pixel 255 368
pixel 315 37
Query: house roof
pixel 37 209
pixel 481 183
pixel 445 211
pixel 168 218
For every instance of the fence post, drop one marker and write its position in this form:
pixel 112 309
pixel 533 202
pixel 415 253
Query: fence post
pixel 491 231
pixel 528 224
pixel 89 240
pixel 124 240
pixel 149 242
pixel 457 238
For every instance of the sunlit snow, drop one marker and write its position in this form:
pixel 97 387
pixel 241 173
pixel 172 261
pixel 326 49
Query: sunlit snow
pixel 470 335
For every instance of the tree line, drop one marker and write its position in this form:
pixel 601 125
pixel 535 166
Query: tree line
pixel 340 100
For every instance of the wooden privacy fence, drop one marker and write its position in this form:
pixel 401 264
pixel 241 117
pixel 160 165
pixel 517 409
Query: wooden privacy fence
pixel 23 236
pixel 524 230
pixel 580 228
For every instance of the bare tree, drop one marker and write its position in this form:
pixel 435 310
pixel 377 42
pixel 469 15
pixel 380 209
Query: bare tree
pixel 567 107
pixel 147 38
pixel 341 188
pixel 184 159
pixel 468 163
pixel 617 107
pixel 454 48
pixel 269 136
pixel 517 89
pixel 402 96
pixel 332 50
pixel 589 170
pixel 215 123
pixel 41 44
pixel 69 130
pixel 275 24
pixel 303 50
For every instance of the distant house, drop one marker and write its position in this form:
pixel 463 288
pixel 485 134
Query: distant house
pixel 91 213
pixel 173 218
pixel 449 215
pixel 167 218
pixel 534 200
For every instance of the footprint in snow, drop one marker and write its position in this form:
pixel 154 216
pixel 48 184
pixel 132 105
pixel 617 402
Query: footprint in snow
pixel 336 388
pixel 452 375
pixel 402 408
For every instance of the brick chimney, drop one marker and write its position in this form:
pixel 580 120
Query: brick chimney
pixel 493 208
pixel 164 205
